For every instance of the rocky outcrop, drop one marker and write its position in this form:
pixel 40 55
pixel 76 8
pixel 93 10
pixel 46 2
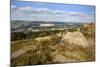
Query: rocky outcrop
pixel 75 38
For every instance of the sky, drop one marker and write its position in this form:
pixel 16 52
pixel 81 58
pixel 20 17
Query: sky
pixel 39 11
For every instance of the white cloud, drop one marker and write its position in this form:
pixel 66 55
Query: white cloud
pixel 25 8
pixel 13 6
pixel 45 14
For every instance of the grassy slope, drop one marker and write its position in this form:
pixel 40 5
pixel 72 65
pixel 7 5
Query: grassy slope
pixel 46 52
pixel 52 51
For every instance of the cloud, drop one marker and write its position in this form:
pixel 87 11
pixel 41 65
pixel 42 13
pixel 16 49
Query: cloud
pixel 25 8
pixel 13 6
pixel 45 14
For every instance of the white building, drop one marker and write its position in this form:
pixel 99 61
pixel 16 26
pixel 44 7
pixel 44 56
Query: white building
pixel 47 25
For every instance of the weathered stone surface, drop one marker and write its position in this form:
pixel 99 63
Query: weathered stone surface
pixel 59 58
pixel 76 38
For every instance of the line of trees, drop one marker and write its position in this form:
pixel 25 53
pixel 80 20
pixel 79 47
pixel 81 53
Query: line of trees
pixel 21 35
